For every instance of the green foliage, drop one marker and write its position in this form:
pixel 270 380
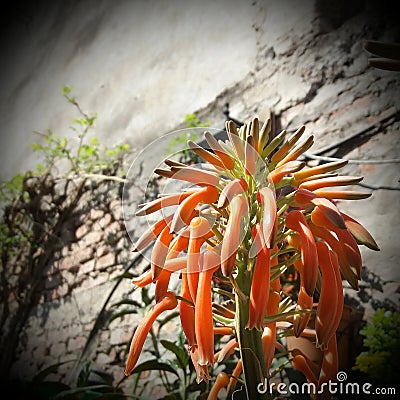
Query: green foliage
pixel 179 143
pixel 382 340
pixel 35 207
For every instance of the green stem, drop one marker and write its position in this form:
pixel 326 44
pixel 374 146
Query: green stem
pixel 254 368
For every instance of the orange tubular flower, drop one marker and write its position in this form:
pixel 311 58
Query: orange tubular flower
pixel 348 272
pixel 260 285
pixel 300 363
pixel 206 155
pixel 330 303
pixel 330 181
pixel 283 150
pixel 326 210
pixel 162 202
pixel 295 220
pixel 151 234
pixel 234 377
pixel 232 240
pixel 237 186
pixel 160 251
pixel 186 313
pixel 227 350
pixel 359 232
pixel 196 176
pixel 183 215
pixel 199 227
pixel 219 151
pixel 203 308
pixel 268 338
pixel 221 382
pixel 304 174
pixel 277 174
pixel 168 302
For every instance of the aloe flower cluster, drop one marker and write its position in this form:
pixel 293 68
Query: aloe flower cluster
pixel 252 212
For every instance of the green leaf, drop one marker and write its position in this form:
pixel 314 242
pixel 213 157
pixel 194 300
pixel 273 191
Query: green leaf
pixel 127 302
pixel 121 314
pixel 71 393
pixel 181 354
pixel 49 370
pixel 154 365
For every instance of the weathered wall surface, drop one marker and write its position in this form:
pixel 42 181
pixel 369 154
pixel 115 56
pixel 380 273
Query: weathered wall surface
pixel 313 70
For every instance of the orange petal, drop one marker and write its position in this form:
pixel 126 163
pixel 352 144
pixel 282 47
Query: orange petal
pixel 319 169
pixel 219 151
pixel 328 299
pixel 359 232
pixel 160 251
pixel 168 302
pixel 166 201
pixel 221 382
pixel 330 181
pixel 282 151
pixel 237 186
pixel 184 213
pixel 277 174
pixel 297 151
pixel 186 314
pixel 204 326
pixel 234 233
pixel 151 234
pixel 196 176
pixel 295 220
pixel 260 287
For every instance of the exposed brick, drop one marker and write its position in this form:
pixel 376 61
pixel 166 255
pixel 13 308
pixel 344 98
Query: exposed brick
pixel 105 221
pixel 81 231
pixel 120 336
pixel 102 250
pixel 87 267
pixel 95 214
pixel 105 261
pixel 93 237
pixel 102 359
pixel 58 349
pixel 76 343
